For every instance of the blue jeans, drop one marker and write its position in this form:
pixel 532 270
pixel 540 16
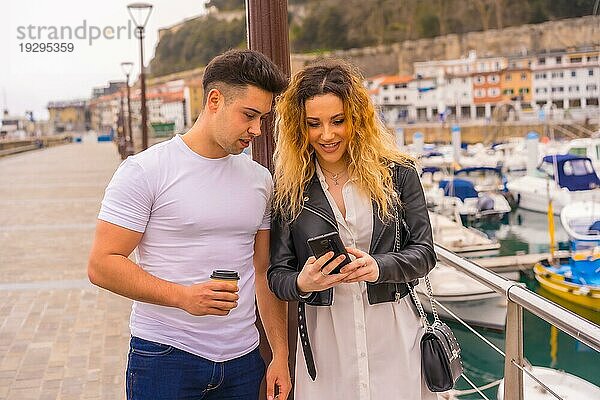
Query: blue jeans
pixel 158 371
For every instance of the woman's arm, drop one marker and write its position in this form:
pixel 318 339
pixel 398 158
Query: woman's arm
pixel 283 271
pixel 418 257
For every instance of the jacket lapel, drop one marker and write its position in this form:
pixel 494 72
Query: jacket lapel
pixel 315 196
pixel 378 228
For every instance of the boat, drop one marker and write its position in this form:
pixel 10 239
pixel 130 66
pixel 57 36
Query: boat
pixel 584 147
pixel 576 278
pixel 581 220
pixel 454 236
pixel 471 194
pixel 471 301
pixel 566 385
pixel 563 178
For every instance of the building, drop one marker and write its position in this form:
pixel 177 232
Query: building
pixel 566 83
pixel 68 116
pixel 516 83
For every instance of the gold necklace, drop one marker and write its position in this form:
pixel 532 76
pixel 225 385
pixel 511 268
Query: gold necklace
pixel 335 176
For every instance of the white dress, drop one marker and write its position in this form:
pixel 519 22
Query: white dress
pixel 361 351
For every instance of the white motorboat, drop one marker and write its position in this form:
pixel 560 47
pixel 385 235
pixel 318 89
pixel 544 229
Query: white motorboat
pixel 581 220
pixel 459 239
pixel 564 178
pixel 584 147
pixel 470 300
pixel 566 385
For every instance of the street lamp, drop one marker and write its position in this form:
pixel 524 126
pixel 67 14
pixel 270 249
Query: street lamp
pixel 143 11
pixel 127 67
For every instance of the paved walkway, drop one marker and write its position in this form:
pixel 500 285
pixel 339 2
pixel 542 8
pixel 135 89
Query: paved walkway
pixel 60 337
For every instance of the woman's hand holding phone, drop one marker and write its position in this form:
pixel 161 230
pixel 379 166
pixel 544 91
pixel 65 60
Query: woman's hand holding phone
pixel 366 267
pixel 314 277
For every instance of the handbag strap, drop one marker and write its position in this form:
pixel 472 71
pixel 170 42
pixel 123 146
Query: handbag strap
pixel 429 291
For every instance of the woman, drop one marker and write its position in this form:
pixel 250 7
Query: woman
pixel 337 169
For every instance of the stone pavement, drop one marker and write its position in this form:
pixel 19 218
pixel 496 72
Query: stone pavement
pixel 60 337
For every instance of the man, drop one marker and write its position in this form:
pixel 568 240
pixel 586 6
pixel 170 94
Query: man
pixel 189 206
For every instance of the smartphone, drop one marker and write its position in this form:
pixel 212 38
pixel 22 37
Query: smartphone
pixel 320 245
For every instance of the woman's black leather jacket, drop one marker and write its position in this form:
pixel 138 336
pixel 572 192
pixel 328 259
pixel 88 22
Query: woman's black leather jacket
pixel 289 250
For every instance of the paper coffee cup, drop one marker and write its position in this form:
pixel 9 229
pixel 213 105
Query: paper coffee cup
pixel 225 275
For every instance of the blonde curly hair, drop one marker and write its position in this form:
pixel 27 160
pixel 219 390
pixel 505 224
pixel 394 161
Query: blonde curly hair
pixel 371 147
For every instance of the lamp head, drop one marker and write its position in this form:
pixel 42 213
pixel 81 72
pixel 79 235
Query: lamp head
pixel 142 11
pixel 126 67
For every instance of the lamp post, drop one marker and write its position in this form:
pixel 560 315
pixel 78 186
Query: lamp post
pixel 143 11
pixel 127 67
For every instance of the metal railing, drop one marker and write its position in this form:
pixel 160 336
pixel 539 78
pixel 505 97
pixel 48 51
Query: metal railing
pixel 518 298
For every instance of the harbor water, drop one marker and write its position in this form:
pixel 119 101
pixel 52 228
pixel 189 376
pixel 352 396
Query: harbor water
pixel 543 345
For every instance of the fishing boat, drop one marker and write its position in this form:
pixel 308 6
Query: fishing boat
pixel 576 278
pixel 581 220
pixel 565 385
pixel 562 178
pixel 471 301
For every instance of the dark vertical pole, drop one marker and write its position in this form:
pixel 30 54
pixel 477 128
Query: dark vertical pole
pixel 129 129
pixel 143 94
pixel 121 137
pixel 267 30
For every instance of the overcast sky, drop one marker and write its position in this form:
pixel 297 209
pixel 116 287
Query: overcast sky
pixel 29 80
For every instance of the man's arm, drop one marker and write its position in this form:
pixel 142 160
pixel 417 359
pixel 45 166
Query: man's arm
pixel 273 314
pixel 110 268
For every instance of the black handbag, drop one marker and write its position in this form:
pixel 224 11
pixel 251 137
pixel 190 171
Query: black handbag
pixel 441 364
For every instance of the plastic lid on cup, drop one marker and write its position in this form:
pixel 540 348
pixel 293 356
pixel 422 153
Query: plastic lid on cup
pixel 225 274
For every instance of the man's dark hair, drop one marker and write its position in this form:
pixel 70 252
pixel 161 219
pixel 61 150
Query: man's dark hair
pixel 240 68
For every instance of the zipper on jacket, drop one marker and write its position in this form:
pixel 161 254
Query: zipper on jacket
pixel 325 217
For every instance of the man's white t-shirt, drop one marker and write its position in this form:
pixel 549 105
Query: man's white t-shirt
pixel 197 215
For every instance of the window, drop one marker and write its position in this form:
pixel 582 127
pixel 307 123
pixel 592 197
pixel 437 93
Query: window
pixel 590 72
pixel 591 101
pixel 508 91
pixel 573 73
pixel 575 103
pixel 386 99
pixel 591 88
pixel 479 79
pixel 592 58
pixel 578 167
pixel 574 88
pixel 397 98
pixel 508 77
pixel 523 90
pixel 576 60
pixel 479 93
pixel 541 61
pixel 493 79
pixel 557 75
pixel 523 76
pixel 540 76
pixel 559 60
pixel 385 87
pixel 558 89
pixel 493 92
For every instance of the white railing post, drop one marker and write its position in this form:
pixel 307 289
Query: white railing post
pixel 513 376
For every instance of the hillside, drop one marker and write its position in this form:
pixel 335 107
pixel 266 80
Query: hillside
pixel 322 25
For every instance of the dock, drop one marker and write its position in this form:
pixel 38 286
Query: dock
pixel 519 262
